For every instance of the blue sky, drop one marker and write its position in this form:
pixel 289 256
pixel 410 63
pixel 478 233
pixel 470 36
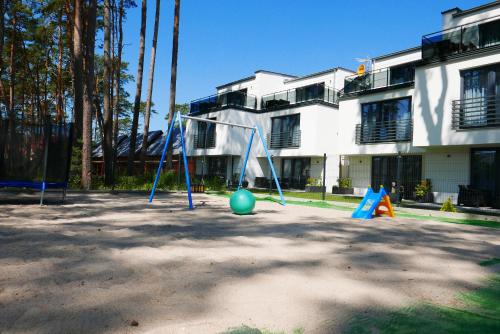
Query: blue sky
pixel 224 40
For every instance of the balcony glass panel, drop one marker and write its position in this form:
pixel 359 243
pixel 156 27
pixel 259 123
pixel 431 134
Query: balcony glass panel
pixel 230 99
pixel 386 77
pixel 311 93
pixel 473 36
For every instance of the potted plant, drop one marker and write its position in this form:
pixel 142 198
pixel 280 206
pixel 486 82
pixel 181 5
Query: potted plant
pixel 313 185
pixel 423 192
pixel 344 187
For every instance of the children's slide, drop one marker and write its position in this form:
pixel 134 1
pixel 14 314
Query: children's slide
pixel 378 203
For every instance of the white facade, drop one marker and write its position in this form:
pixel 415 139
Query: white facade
pixel 403 112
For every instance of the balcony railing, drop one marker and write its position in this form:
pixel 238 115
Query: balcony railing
pixel 382 78
pixel 285 139
pixel 218 101
pixel 313 93
pixel 204 140
pixel 478 112
pixel 383 132
pixel 458 40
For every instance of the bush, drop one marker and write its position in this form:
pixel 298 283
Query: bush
pixel 423 188
pixel 215 184
pixel 345 182
pixel 448 206
pixel 168 180
pixel 312 181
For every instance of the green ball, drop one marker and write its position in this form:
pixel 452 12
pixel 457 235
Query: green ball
pixel 242 202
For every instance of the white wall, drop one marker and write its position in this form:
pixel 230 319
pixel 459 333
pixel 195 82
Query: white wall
pixel 360 171
pixel 398 59
pixel 449 21
pixel 344 130
pixel 446 170
pixel 436 86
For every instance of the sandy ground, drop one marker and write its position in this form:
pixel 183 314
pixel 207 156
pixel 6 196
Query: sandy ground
pixel 102 261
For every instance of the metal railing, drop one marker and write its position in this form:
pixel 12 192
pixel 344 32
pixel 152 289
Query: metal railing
pixel 476 112
pixel 454 41
pixel 312 93
pixel 385 77
pixel 383 132
pixel 204 140
pixel 218 101
pixel 285 139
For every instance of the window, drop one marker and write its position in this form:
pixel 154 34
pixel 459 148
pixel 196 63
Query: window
pixel 489 33
pixel 485 173
pixel 385 173
pixel 295 172
pixel 285 131
pixel 388 120
pixel 481 92
pixel 402 74
pixel 206 135
pixel 311 92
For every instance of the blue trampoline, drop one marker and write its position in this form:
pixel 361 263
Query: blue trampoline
pixel 35 155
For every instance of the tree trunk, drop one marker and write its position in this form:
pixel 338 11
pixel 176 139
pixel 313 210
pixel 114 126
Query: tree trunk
pixel 147 114
pixel 108 119
pixel 12 66
pixel 2 39
pixel 173 74
pixel 78 68
pixel 59 84
pixel 118 73
pixel 88 96
pixel 137 100
pixel 117 108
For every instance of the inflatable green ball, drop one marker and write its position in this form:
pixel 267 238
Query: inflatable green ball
pixel 242 202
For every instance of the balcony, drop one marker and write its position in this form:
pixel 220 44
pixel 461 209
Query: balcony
pixel 286 139
pixel 384 132
pixel 392 77
pixel 225 100
pixel 473 37
pixel 479 112
pixel 308 94
pixel 204 140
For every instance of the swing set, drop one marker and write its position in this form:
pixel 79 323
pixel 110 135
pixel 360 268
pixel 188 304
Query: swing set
pixel 178 117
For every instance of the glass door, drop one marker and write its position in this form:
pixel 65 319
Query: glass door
pixel 485 173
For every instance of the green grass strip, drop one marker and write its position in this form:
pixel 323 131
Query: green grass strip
pixel 480 314
pixel 490 262
pixel 327 205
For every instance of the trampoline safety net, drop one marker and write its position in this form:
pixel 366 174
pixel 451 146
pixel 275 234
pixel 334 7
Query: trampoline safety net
pixel 34 153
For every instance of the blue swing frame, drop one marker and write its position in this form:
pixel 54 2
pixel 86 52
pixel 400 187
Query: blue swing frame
pixel 178 118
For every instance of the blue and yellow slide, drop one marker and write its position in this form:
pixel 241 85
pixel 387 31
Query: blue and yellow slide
pixel 378 203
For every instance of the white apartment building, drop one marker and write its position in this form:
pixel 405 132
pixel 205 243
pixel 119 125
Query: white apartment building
pixel 427 113
pixel 435 109
pixel 294 113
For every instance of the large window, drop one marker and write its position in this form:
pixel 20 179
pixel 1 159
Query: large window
pixel 285 131
pixel 295 172
pixel 485 173
pixel 205 137
pixel 384 121
pixel 480 105
pixel 385 173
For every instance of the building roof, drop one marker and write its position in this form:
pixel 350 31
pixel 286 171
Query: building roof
pixel 252 77
pixel 460 12
pixel 330 70
pixel 155 149
pixel 398 53
pixel 155 138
